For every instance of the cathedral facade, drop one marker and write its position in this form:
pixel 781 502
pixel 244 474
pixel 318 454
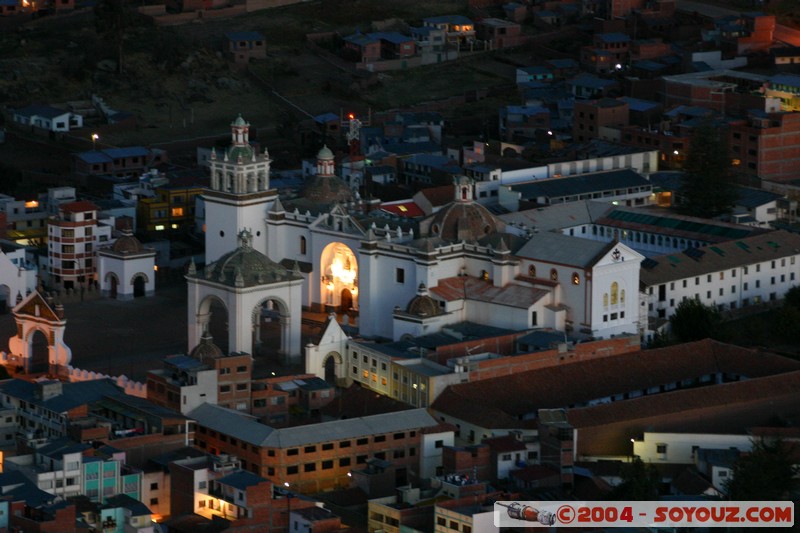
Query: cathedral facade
pixel 403 277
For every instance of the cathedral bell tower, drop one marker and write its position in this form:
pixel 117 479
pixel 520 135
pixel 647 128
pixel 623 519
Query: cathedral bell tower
pixel 239 195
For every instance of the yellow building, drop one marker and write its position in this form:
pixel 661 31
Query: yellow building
pixel 171 209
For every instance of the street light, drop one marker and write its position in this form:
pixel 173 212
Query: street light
pixel 288 506
pixel 94 140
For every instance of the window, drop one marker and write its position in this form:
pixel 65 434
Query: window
pixel 661 448
pixel 302 245
pixel 292 451
pixel 154 486
pixel 241 369
pixel 309 467
pixel 153 501
pixel 290 470
pixel 225 388
pixel 177 211
pixel 614 293
pixel 553 274
pixel 532 271
pixel 344 461
pixel 380 438
pixel 362 442
pixel 344 444
pixel 309 449
pixel 439 444
pixel 327 446
pixel 576 279
pixel 400 275
pixel 241 386
pixel 327 465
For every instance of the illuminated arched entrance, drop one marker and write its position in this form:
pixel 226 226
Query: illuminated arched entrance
pixel 339 282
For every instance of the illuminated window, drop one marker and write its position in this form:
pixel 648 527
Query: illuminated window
pixel 554 274
pixel 614 293
pixel 484 275
pixel 160 227
pixel 576 279
pixel 366 374
pixel 605 299
pixel 302 245
pixel 402 208
pixel 174 226
pixel 177 211
pixel 736 162
pixel 532 271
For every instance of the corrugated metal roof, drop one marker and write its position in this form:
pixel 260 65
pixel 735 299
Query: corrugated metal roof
pixel 552 247
pixel 247 429
pixel 581 184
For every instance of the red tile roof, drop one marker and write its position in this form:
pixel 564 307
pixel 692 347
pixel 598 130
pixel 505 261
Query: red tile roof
pixel 78 207
pixel 503 402
pixel 439 196
pixel 404 209
pixel 466 287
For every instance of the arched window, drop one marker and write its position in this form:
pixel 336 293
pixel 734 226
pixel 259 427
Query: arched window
pixel 622 296
pixel 302 245
pixel 614 293
pixel 554 274
pixel 576 278
pixel 532 271
pixel 484 275
pixel 605 299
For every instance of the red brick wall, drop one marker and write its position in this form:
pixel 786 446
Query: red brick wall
pixel 467 461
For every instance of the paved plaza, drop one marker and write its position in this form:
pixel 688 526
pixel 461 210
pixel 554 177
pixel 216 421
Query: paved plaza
pixel 131 337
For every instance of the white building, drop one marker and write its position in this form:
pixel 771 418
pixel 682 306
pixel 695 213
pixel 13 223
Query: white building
pixel 126 269
pixel 728 275
pixel 17 275
pixel 48 118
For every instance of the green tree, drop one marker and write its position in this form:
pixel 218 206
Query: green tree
pixel 694 321
pixel 792 297
pixel 707 189
pixel 766 473
pixel 640 481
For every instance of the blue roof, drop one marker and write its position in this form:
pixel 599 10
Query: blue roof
pixel 526 111
pixel 94 157
pixel 647 64
pixel 430 160
pixel 590 80
pixel 637 104
pixel 38 110
pixel 792 80
pixel 360 39
pixel 613 37
pixel 563 63
pixel 244 36
pixel 749 197
pixel 241 480
pixel 9 2
pixel 73 394
pixel 536 69
pixel 448 19
pixel 391 36
pixel 130 151
pixel 123 501
pixel 326 117
pixel 582 184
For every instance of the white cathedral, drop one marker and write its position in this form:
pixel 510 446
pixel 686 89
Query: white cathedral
pixel 324 250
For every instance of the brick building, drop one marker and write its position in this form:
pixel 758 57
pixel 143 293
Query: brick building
pixel 320 456
pixel 74 235
pixel 246 45
pixel 589 116
pixel 766 146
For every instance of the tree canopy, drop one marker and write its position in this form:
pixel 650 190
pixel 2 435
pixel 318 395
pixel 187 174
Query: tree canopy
pixel 694 321
pixel 766 473
pixel 640 481
pixel 707 189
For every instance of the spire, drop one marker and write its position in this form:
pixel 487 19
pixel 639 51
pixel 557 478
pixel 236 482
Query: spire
pixel 192 267
pixel 238 279
pixel 502 248
pixel 277 206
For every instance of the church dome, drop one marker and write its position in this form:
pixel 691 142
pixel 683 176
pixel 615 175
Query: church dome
pixel 246 267
pixel 127 244
pixel 245 152
pixel 462 221
pixel 240 121
pixel 325 153
pixel 206 350
pixel 422 305
pixel 327 190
